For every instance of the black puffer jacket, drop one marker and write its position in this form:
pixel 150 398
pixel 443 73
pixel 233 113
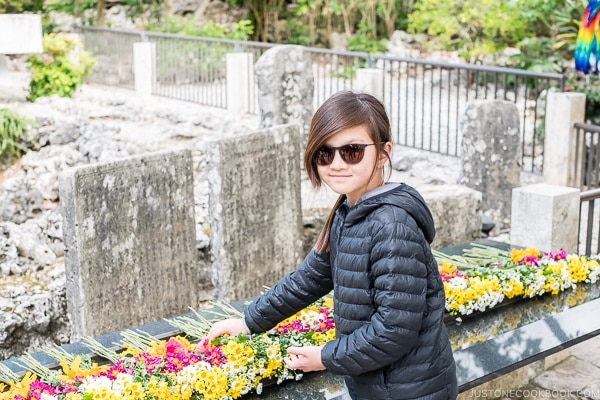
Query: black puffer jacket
pixel 388 299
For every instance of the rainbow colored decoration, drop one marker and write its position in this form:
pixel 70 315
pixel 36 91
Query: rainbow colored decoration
pixel 587 46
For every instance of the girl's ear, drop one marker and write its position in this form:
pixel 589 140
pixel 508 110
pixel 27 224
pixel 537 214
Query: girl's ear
pixel 384 155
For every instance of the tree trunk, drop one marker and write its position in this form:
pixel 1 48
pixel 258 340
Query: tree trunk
pixel 100 12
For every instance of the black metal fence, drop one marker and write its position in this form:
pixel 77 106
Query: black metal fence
pixel 589 222
pixel 586 173
pixel 425 99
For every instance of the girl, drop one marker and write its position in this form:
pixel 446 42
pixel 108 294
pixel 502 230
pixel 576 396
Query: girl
pixel 374 253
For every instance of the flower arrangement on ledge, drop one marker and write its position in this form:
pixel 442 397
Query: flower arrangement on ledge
pixel 230 367
pixel 227 368
pixel 484 277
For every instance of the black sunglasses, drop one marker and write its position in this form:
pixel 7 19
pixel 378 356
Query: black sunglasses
pixel 350 153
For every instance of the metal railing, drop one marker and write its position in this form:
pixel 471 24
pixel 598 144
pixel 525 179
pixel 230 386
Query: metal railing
pixel 113 52
pixel 589 222
pixel 425 99
pixel 586 174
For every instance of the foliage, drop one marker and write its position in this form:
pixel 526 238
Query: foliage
pixel 13 129
pixel 138 7
pixel 240 30
pixel 19 6
pixel 566 19
pixel 473 27
pixel 71 7
pixel 361 42
pixel 538 54
pixel 297 32
pixel 60 69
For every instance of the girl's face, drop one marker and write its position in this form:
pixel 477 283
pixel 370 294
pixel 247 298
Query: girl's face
pixel 353 180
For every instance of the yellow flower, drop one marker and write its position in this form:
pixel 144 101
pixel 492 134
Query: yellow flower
pixel 447 268
pixel 577 267
pixel 516 255
pixel 74 370
pixel 513 289
pixel 20 388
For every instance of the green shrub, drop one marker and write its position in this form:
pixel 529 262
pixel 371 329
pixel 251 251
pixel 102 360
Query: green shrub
pixel 473 27
pixel 13 129
pixel 362 42
pixel 60 69
pixel 19 6
pixel 240 30
pixel 71 7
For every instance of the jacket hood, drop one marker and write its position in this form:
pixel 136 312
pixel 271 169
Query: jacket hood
pixel 398 195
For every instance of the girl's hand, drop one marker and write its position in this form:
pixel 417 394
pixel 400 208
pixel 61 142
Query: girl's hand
pixel 231 327
pixel 306 358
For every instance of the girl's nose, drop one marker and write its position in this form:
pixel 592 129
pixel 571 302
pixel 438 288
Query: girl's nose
pixel 337 162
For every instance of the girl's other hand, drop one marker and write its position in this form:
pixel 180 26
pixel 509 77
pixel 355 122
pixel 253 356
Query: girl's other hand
pixel 231 327
pixel 306 359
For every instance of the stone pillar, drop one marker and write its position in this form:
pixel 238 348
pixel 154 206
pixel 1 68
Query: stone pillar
pixel 254 210
pixel 240 82
pixel 285 87
pixel 370 80
pixel 19 34
pixel 545 216
pixel 491 153
pixel 562 111
pixel 144 67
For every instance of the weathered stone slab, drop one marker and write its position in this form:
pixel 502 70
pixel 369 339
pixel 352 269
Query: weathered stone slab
pixel 130 241
pixel 285 86
pixel 254 210
pixel 491 155
pixel 456 212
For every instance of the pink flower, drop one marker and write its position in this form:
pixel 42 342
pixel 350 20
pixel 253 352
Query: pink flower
pixel 37 388
pixel 556 256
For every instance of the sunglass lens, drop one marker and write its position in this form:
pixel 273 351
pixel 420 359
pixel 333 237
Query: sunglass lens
pixel 352 154
pixel 324 156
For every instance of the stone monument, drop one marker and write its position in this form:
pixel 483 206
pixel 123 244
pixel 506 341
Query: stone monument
pixel 491 152
pixel 130 243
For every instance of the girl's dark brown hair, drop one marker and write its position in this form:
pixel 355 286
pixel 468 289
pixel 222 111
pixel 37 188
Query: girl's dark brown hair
pixel 344 110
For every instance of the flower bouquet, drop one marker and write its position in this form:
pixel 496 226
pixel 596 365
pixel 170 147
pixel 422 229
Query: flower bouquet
pixel 177 368
pixel 484 277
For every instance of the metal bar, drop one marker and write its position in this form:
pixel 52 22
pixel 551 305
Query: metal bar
pixel 590 195
pixel 588 238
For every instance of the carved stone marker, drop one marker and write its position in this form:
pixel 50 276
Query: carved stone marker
pixel 285 86
pixel 254 210
pixel 491 152
pixel 130 242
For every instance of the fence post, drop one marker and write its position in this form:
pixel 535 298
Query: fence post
pixel 563 109
pixel 144 67
pixel 240 80
pixel 370 80
pixel 546 217
pixel 19 34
